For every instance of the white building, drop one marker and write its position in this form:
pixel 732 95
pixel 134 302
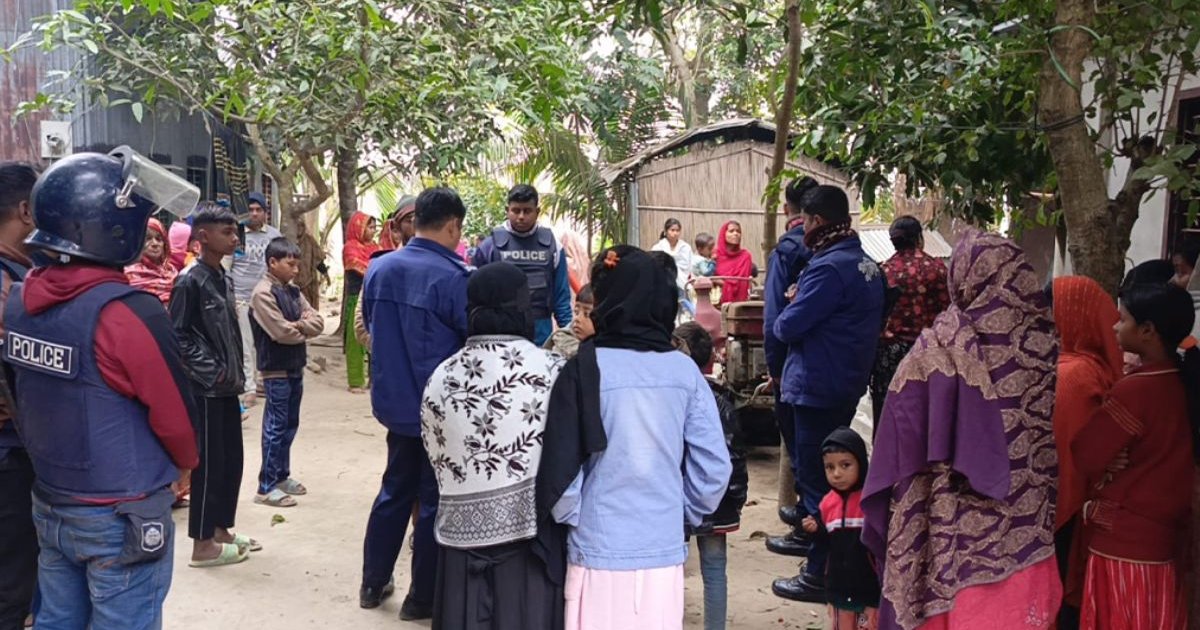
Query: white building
pixel 1161 222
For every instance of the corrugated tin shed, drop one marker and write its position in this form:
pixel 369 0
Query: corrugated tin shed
pixel 878 245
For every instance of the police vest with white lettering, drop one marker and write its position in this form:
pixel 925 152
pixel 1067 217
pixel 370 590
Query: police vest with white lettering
pixel 534 255
pixel 85 440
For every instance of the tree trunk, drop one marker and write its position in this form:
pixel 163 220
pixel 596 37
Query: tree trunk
pixel 695 112
pixel 285 179
pixel 783 124
pixel 1098 228
pixel 347 184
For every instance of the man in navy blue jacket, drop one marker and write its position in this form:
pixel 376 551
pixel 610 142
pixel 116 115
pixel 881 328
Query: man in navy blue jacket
pixel 783 270
pixel 415 309
pixel 831 328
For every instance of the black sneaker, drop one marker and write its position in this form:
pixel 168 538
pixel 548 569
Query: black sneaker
pixel 372 596
pixel 802 588
pixel 410 610
pixel 794 543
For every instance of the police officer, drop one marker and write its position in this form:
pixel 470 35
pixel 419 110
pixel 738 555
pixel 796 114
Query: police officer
pixel 535 251
pixel 101 397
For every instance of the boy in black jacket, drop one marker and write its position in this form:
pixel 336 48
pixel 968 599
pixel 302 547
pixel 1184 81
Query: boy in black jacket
pixel 205 323
pixel 710 535
pixel 850 581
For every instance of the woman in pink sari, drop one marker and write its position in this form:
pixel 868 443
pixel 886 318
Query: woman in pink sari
pixel 733 262
pixel 154 272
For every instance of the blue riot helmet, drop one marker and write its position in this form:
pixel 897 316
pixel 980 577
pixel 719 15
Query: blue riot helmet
pixel 95 206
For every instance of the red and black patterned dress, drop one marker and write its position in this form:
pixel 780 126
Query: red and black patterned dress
pixel 924 294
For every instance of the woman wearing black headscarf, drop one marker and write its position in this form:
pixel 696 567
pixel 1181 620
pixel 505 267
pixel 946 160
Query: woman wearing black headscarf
pixel 625 413
pixel 482 418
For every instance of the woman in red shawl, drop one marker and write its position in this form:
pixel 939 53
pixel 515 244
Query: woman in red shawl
pixel 1089 363
pixel 356 254
pixel 154 272
pixel 733 262
pixel 397 232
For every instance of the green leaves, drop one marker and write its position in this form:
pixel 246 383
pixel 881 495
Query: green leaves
pixel 929 92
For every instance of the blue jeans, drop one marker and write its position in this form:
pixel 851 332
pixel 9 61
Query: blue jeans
pixel 281 420
pixel 813 425
pixel 712 570
pixel 80 581
pixel 408 479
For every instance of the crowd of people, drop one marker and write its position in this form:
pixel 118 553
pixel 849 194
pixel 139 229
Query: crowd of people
pixel 1031 463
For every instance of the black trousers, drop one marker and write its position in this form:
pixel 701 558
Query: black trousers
pixel 408 479
pixel 18 540
pixel 786 421
pixel 216 481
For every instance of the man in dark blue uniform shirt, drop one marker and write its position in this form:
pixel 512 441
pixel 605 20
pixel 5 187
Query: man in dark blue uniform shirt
pixel 415 309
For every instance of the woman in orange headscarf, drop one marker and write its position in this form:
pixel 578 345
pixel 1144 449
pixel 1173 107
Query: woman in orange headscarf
pixel 1089 363
pixel 356 254
pixel 153 272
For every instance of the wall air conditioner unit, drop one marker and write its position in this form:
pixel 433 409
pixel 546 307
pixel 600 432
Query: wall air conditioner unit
pixel 55 138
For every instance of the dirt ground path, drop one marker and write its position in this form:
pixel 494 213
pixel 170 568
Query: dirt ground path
pixel 307 575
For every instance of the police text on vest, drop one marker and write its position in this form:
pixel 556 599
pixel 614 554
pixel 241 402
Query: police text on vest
pixel 39 354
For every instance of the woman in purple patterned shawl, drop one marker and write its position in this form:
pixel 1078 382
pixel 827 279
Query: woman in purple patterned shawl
pixel 960 497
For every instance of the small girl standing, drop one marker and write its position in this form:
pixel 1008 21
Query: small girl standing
pixel 1137 451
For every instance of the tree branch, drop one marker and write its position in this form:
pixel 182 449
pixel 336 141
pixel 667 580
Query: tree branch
pixel 313 174
pixel 264 156
pixel 783 124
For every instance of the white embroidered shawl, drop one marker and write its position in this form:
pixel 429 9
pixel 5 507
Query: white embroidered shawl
pixel 482 419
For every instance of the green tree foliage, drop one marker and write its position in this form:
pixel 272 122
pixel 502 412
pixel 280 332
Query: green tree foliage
pixel 979 100
pixel 418 85
pixel 485 198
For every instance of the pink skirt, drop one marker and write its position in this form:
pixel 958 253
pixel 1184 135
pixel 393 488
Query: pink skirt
pixel 1121 595
pixel 646 599
pixel 1029 598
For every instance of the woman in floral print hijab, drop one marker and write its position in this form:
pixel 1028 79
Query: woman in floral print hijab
pixel 482 419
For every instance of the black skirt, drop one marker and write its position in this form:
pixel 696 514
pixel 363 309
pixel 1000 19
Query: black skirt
pixel 495 588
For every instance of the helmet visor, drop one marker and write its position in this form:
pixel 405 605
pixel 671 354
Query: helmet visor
pixel 152 182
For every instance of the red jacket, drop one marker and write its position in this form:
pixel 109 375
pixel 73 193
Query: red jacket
pixel 1141 513
pixel 850 579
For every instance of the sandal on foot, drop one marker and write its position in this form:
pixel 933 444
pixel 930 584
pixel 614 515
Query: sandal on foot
pixel 230 554
pixel 275 498
pixel 293 487
pixel 245 542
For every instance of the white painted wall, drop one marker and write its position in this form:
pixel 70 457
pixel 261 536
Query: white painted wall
pixel 1148 238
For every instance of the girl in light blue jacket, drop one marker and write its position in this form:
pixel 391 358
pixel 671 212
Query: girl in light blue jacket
pixel 625 547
